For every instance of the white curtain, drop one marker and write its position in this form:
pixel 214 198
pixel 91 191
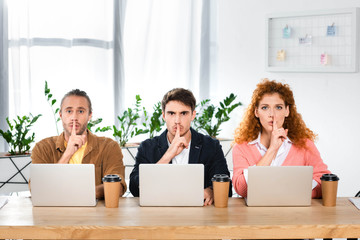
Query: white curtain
pixel 4 81
pixel 67 43
pixel 162 48
pixel 158 45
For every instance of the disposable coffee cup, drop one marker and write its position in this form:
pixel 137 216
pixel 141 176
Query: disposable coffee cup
pixel 329 185
pixel 221 184
pixel 112 190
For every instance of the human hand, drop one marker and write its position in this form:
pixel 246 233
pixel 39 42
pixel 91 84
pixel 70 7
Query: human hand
pixel 278 135
pixel 208 196
pixel 75 141
pixel 178 143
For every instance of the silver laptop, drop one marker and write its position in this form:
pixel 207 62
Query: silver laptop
pixel 62 184
pixel 171 184
pixel 279 186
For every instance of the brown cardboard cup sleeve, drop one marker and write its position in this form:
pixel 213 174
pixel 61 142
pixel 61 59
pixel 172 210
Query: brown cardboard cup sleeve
pixel 329 185
pixel 221 190
pixel 112 190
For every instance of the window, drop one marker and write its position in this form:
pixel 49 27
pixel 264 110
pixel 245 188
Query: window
pixel 70 44
pixel 67 43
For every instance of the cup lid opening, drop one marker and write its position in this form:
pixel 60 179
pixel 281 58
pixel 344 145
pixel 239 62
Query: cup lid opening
pixel 329 177
pixel 221 178
pixel 112 178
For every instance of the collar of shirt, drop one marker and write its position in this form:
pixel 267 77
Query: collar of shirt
pixel 257 141
pixel 281 154
pixel 183 156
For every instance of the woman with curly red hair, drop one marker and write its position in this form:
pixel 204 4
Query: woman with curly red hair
pixel 272 133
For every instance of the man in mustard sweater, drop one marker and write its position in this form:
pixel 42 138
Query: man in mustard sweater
pixel 77 145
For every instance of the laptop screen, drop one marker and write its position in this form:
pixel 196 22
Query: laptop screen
pixel 62 184
pixel 171 184
pixel 279 186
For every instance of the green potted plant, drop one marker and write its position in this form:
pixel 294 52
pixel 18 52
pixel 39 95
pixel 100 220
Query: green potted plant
pixel 128 124
pixel 93 123
pixel 52 101
pixel 209 117
pixel 156 122
pixel 17 136
pixel 15 163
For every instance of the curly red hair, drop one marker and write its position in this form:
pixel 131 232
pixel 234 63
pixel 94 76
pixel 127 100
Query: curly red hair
pixel 250 126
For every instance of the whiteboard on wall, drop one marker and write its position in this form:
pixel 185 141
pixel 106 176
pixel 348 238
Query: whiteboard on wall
pixel 324 52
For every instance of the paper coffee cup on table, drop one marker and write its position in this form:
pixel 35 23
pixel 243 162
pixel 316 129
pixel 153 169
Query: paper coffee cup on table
pixel 221 184
pixel 111 190
pixel 329 185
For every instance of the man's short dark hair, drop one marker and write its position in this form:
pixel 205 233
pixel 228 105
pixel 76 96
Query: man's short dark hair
pixel 79 93
pixel 179 94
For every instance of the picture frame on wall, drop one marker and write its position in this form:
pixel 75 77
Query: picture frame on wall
pixel 314 34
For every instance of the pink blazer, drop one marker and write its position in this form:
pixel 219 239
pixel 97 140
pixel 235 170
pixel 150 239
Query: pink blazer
pixel 245 155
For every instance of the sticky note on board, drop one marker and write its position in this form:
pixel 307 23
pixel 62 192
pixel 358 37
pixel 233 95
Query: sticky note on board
pixel 281 55
pixel 324 59
pixel 286 32
pixel 331 31
pixel 307 40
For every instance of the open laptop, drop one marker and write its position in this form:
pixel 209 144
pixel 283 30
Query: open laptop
pixel 171 184
pixel 279 186
pixel 62 184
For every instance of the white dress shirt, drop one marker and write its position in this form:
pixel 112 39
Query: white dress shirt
pixel 183 157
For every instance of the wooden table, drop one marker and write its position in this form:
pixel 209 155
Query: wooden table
pixel 19 220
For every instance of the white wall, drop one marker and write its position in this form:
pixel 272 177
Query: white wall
pixel 329 103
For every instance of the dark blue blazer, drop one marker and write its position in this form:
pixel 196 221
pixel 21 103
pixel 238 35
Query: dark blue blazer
pixel 203 149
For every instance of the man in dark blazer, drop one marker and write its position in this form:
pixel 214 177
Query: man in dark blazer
pixel 180 144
